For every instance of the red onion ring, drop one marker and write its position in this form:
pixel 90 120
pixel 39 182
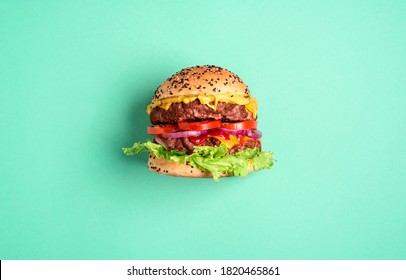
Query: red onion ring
pixel 252 133
pixel 233 131
pixel 180 134
pixel 160 141
pixel 255 134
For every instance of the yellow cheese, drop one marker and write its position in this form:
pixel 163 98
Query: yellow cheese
pixel 231 142
pixel 209 100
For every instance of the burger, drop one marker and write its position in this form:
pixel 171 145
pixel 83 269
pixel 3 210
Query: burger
pixel 204 124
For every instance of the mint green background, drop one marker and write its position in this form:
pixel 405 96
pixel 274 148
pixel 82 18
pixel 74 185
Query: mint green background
pixel 330 78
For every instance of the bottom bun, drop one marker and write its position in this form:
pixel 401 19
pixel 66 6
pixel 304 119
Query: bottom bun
pixel 166 167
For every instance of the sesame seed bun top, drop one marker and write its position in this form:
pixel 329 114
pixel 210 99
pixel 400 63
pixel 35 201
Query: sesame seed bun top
pixel 206 79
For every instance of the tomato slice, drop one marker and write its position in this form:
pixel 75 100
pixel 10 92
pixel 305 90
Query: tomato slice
pixel 240 125
pixel 162 129
pixel 199 125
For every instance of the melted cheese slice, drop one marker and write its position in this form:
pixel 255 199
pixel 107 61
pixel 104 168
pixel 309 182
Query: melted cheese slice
pixel 232 140
pixel 209 100
pixel 229 143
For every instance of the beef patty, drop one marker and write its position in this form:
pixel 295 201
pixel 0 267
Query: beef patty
pixel 195 111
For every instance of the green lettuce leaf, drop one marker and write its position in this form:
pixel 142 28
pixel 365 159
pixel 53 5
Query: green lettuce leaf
pixel 212 159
